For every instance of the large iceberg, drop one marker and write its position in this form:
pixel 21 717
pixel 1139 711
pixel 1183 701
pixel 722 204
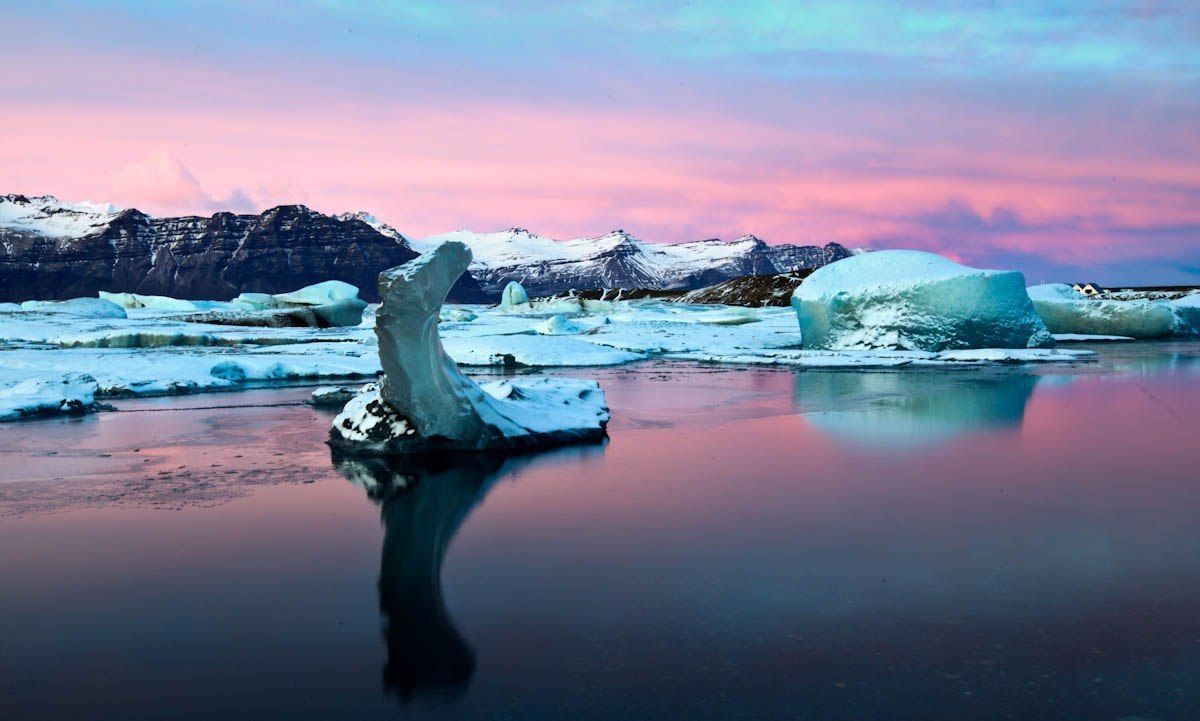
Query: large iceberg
pixel 424 404
pixel 904 299
pixel 1066 310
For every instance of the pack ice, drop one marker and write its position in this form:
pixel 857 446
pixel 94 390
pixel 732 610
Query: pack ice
pixel 909 300
pixel 424 404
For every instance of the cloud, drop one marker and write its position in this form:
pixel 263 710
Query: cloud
pixel 161 183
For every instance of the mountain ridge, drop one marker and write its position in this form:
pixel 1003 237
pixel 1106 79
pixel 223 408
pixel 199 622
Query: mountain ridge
pixel 51 249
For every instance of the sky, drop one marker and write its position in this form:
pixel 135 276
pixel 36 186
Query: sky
pixel 1061 139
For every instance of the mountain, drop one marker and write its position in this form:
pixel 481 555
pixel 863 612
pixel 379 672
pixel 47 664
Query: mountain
pixel 617 260
pixel 52 250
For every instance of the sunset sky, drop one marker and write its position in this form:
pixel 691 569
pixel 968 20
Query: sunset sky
pixel 1058 138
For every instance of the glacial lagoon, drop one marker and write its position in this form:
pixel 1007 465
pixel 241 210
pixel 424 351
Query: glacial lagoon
pixel 768 543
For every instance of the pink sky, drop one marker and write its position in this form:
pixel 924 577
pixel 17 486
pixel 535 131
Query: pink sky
pixel 1047 174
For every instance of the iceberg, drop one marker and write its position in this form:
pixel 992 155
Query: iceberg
pixel 84 307
pixel 1066 310
pixel 514 295
pixel 909 300
pixel 425 404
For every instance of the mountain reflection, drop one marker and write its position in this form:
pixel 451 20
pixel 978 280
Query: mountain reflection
pixel 889 408
pixel 423 503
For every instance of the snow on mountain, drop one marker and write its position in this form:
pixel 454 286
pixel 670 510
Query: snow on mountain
pixel 620 260
pixel 48 246
pixel 54 250
pixel 48 216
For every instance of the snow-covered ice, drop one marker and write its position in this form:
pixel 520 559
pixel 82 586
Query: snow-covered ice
pixel 153 302
pixel 48 395
pixel 85 307
pixel 904 299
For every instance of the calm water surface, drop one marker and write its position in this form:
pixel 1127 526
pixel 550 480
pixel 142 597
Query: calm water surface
pixel 766 544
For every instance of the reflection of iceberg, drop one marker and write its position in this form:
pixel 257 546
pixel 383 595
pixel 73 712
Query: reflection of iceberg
pixel 911 407
pixel 423 504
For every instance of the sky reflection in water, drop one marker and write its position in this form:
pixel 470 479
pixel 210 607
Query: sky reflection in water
pixel 953 544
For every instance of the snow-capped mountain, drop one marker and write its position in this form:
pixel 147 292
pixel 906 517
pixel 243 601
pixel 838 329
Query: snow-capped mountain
pixel 51 250
pixel 617 260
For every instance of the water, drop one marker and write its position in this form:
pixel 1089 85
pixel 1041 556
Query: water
pixel 766 544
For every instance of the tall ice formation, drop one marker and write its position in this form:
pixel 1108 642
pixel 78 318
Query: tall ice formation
pixel 424 404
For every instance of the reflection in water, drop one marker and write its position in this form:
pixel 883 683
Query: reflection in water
pixel 423 503
pixel 892 408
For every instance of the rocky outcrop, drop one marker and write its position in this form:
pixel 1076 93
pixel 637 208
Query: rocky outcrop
pixel 752 291
pixel 424 404
pixel 52 250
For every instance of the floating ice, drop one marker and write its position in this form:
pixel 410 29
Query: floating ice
pixel 514 295
pixel 425 404
pixel 330 291
pixel 906 299
pixel 153 302
pixel 1066 310
pixel 85 307
pixel 1187 314
pixel 558 325
pixel 72 393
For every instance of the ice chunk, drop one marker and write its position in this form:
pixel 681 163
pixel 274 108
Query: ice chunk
pixel 152 302
pixel 558 325
pixel 86 307
pixel 904 299
pixel 425 404
pixel 1187 314
pixel 1085 338
pixel 257 301
pixel 72 393
pixel 320 294
pixel 333 396
pixel 1066 310
pixel 513 296
pixel 450 315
